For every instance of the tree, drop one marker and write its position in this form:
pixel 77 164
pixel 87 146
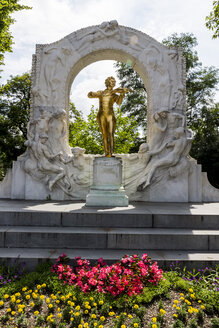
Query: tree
pixel 134 104
pixel 212 21
pixel 86 134
pixel 7 7
pixel 205 146
pixel 14 116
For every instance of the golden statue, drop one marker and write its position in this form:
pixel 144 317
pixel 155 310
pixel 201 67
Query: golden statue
pixel 105 116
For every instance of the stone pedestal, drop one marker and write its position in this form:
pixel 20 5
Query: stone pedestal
pixel 107 187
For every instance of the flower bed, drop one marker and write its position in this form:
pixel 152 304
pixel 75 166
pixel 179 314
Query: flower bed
pixel 128 276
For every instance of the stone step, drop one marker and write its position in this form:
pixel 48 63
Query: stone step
pixel 119 219
pixel 109 238
pixel 33 257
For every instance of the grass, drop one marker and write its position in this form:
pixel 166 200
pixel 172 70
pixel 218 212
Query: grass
pixel 40 299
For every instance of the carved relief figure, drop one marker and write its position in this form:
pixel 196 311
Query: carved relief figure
pixel 174 150
pixel 45 158
pixel 135 165
pixel 163 125
pixel 105 116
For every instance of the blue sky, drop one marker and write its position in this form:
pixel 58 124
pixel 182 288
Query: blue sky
pixel 51 20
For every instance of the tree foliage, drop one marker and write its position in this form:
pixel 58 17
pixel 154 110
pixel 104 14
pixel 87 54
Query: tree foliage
pixel 205 147
pixel 7 7
pixel 86 134
pixel 14 116
pixel 134 104
pixel 212 20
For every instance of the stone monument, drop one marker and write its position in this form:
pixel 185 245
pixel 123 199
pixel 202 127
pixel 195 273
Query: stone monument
pixel 161 171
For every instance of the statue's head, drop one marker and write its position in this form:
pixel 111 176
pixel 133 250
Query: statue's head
pixel 110 82
pixel 179 132
pixel 144 147
pixel 43 138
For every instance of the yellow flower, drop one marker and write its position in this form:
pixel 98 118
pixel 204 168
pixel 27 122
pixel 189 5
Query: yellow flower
pixel 20 310
pixel 178 308
pixel 182 298
pixel 77 308
pixel 18 301
pixel 32 304
pixel 76 314
pixel 6 296
pixel 136 306
pixel 102 318
pixel 95 324
pixel 24 289
pixel 199 301
pixel 95 304
pixel 202 307
pixel 174 305
pixel 175 301
pixel 1 303
pixel 43 285
pixel 50 306
pixel 181 294
pixel 135 325
pixel 86 324
pixel 80 326
pixel 9 310
pixel 27 297
pixel 13 299
pixel 59 315
pixel 72 319
pixel 129 315
pixel 18 294
pixel 101 302
pixel 48 300
pixel 63 298
pixel 13 313
pixel 175 315
pixel 195 310
pixel 190 310
pixel 162 312
pixel 154 325
pixel 193 296
pixel 154 319
pixel 57 301
pixel 38 286
pixel 86 311
pixel 123 326
pixel 91 298
pixel 191 290
pixel 34 295
pixel 36 313
pixel 100 326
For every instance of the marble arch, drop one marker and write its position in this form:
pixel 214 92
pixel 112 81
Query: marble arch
pixel 160 171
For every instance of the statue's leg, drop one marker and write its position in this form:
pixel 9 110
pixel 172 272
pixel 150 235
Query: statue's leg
pixel 103 122
pixel 111 135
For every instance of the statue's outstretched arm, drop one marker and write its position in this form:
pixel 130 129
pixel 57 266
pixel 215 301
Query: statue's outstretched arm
pixel 92 94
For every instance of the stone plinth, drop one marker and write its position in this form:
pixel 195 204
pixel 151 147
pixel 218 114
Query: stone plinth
pixel 107 189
